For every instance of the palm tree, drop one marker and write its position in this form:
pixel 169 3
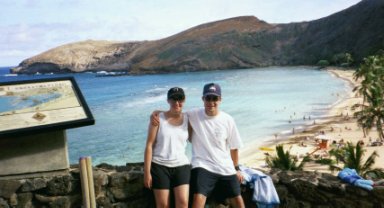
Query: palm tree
pixel 352 157
pixel 348 59
pixel 372 89
pixel 369 117
pixel 284 160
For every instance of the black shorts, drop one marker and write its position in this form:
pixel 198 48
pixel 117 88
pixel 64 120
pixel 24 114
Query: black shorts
pixel 164 177
pixel 204 182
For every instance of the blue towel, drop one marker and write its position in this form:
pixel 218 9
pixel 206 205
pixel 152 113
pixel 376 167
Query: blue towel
pixel 264 192
pixel 350 176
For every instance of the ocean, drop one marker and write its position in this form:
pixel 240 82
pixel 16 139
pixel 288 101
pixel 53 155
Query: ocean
pixel 263 102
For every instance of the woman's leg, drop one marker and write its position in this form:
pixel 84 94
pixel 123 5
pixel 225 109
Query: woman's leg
pixel 181 196
pixel 161 197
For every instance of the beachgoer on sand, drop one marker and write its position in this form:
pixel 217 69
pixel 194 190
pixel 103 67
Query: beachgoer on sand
pixel 166 165
pixel 215 143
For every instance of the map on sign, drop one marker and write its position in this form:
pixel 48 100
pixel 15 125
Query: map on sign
pixel 39 103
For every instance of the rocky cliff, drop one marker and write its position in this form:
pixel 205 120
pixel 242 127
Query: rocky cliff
pixel 241 42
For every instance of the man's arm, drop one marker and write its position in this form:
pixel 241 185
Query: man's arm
pixel 190 131
pixel 235 160
pixel 154 119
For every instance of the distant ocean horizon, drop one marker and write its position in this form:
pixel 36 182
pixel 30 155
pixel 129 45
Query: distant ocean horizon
pixel 263 102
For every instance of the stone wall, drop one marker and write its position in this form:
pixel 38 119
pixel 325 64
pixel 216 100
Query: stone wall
pixel 122 187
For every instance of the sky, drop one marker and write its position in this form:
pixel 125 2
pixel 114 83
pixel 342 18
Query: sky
pixel 30 27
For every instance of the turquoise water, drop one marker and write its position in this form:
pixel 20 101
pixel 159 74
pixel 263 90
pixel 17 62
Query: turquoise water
pixel 19 102
pixel 263 101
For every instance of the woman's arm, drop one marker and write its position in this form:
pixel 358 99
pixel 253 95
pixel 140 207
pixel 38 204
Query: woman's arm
pixel 151 137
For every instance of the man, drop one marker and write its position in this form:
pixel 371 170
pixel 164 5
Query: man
pixel 215 144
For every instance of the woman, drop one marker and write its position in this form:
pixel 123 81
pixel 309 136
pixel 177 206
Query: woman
pixel 166 166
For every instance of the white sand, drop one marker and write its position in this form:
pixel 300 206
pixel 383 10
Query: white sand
pixel 339 125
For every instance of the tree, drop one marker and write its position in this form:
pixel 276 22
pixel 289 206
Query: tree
pixel 371 111
pixel 323 63
pixel 352 157
pixel 284 160
pixel 342 59
pixel 347 60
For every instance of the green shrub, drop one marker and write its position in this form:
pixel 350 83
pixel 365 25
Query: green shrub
pixel 323 63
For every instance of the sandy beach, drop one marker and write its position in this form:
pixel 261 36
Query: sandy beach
pixel 338 125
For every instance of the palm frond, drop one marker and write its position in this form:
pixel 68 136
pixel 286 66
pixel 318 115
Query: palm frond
pixel 284 160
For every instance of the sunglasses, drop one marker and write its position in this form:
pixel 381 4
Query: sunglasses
pixel 177 98
pixel 211 98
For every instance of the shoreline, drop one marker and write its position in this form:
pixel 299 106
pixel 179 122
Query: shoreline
pixel 338 124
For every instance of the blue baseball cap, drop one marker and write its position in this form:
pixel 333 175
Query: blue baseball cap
pixel 212 89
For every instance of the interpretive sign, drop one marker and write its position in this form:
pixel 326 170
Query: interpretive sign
pixel 34 106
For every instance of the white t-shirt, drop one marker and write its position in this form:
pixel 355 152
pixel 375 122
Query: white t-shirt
pixel 170 144
pixel 212 139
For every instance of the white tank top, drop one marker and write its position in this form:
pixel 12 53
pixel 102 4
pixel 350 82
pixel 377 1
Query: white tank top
pixel 170 144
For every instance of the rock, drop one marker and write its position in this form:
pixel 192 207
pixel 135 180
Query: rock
pixel 25 200
pixel 44 199
pixel 357 191
pixel 119 194
pixel 127 192
pixel 59 201
pixel 307 191
pixel 3 203
pixel 8 187
pixel 13 200
pixel 118 179
pixel 62 185
pixel 103 202
pixel 100 181
pixel 378 193
pixel 33 184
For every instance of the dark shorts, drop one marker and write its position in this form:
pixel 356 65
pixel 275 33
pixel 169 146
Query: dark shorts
pixel 164 177
pixel 204 182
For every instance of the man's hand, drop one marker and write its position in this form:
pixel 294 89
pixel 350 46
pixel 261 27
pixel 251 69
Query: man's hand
pixel 155 121
pixel 240 176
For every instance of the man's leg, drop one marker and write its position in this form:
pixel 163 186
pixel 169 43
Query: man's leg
pixel 237 202
pixel 202 183
pixel 199 201
pixel 229 187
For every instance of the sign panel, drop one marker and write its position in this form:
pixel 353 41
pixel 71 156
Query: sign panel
pixel 43 104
